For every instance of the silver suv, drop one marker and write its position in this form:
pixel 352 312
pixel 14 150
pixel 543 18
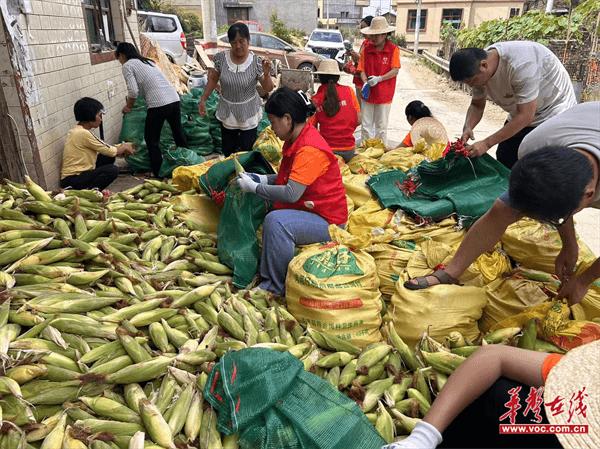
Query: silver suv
pixel 327 43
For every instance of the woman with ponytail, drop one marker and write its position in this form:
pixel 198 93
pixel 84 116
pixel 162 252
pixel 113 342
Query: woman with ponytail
pixel 307 193
pixel 337 110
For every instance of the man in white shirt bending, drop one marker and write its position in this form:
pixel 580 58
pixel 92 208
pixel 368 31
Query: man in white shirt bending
pixel 524 78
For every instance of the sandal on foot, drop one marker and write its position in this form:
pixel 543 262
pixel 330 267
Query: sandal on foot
pixel 422 283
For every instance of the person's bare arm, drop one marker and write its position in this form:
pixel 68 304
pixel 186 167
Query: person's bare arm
pixel 266 82
pixel 478 373
pixel 391 74
pixel 474 115
pixel 213 80
pixel 523 118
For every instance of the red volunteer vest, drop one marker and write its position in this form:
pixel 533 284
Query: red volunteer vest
pixel 338 130
pixel 357 80
pixel 326 196
pixel 378 63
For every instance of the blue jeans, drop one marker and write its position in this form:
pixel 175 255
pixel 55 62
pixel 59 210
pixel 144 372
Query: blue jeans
pixel 283 230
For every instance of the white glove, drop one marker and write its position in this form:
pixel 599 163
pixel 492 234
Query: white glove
pixel 261 179
pixel 423 436
pixel 374 80
pixel 246 183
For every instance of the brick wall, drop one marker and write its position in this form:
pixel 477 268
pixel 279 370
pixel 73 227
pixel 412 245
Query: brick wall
pixel 62 72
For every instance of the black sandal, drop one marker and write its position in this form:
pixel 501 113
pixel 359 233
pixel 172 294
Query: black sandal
pixel 422 283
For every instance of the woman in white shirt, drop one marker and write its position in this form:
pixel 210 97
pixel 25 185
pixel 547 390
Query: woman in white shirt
pixel 240 107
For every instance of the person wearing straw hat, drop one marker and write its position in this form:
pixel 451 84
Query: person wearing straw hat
pixel 337 110
pixel 352 66
pixel 474 402
pixel 378 65
pixel 423 125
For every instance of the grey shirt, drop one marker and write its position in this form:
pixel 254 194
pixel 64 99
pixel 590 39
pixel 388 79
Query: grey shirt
pixel 148 81
pixel 577 128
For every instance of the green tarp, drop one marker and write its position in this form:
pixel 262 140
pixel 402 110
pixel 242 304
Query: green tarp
pixel 451 185
pixel 268 398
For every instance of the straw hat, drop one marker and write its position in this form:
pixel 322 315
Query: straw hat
pixel 328 67
pixel 579 368
pixel 379 25
pixel 429 129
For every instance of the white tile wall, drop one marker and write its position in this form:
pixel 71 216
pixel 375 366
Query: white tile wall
pixel 63 73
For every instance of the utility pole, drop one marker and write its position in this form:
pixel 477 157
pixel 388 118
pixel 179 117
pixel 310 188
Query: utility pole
pixel 417 28
pixel 327 12
pixel 209 23
pixel 549 6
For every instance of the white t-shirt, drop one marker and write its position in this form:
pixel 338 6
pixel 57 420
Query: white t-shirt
pixel 528 71
pixel 577 128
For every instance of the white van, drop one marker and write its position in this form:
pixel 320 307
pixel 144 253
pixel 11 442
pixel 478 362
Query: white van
pixel 165 29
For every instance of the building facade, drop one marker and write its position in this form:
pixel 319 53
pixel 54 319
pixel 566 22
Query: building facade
pixel 341 13
pixel 53 53
pixel 300 14
pixel 434 13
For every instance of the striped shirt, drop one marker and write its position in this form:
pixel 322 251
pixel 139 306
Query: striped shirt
pixel 240 107
pixel 149 82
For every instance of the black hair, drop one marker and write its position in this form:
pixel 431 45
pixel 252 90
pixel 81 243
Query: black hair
pixel 331 105
pixel 130 52
pixel 417 110
pixel 549 183
pixel 367 20
pixel 287 101
pixel 240 29
pixel 464 63
pixel 86 109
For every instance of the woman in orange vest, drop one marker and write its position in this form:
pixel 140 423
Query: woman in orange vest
pixel 423 125
pixel 378 65
pixel 351 66
pixel 307 193
pixel 337 110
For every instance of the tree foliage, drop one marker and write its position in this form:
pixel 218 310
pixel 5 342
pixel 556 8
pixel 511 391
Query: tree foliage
pixel 279 29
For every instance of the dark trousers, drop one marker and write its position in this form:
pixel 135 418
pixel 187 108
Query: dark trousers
pixel 100 178
pixel 478 425
pixel 155 120
pixel 234 140
pixel 507 152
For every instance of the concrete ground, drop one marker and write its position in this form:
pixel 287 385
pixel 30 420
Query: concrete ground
pixel 417 82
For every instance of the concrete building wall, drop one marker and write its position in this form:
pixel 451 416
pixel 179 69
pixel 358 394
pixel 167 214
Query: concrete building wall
pixel 58 70
pixel 474 13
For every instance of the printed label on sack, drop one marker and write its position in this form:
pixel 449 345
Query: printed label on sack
pixel 313 303
pixel 336 262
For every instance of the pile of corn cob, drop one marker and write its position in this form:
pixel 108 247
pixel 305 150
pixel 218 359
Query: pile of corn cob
pixel 114 310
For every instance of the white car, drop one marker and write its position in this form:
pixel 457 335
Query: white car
pixel 167 31
pixel 327 43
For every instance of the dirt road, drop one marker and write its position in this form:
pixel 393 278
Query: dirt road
pixel 417 82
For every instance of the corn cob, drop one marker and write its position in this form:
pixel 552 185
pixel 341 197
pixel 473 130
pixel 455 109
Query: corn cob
pixel 140 372
pixel 527 340
pixel 371 357
pixel 444 362
pixel 133 395
pixel 396 392
pixel 209 437
pixel 502 336
pixel 407 355
pixel 55 437
pixel 113 427
pixel 108 408
pixel 156 426
pixel 348 374
pixel 384 424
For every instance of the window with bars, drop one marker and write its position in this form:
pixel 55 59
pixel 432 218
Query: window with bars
pixel 514 12
pixel 99 24
pixel 452 16
pixel 412 20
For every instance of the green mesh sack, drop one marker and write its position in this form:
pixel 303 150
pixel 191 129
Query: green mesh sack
pixel 268 398
pixel 132 130
pixel 178 157
pixel 240 217
pixel 451 185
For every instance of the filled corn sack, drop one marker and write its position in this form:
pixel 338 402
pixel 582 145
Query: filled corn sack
pixel 334 288
pixel 371 152
pixel 357 189
pixel 368 216
pixel 364 165
pixel 391 260
pixel 401 159
pixel 433 255
pixel 510 296
pixel 349 204
pixel 536 245
pixel 200 209
pixel 439 310
pixel 444 231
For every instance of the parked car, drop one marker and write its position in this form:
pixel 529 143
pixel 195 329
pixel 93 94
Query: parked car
pixel 327 43
pixel 263 44
pixel 167 31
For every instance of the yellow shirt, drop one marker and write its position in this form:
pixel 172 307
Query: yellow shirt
pixel 81 150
